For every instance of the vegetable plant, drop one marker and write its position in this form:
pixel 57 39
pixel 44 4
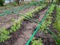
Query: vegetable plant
pixel 2 2
pixel 57 21
pixel 37 42
pixel 5 33
pixel 48 20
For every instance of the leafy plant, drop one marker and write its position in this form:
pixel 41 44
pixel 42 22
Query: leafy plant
pixel 16 26
pixel 30 14
pixel 55 37
pixel 57 21
pixel 4 34
pixel 37 42
pixel 14 3
pixel 2 2
pixel 47 22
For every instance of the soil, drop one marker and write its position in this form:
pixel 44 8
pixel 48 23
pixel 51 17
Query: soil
pixel 8 20
pixel 47 38
pixel 27 28
pixel 21 36
pixel 2 9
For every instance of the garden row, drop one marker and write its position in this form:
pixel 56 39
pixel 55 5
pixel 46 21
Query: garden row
pixel 56 25
pixel 5 33
pixel 44 24
pixel 49 33
pixel 15 10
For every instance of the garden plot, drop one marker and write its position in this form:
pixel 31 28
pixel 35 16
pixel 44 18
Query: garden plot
pixel 49 33
pixel 7 21
pixel 13 10
pixel 55 25
pixel 27 10
pixel 2 10
pixel 17 8
pixel 24 33
pixel 14 24
pixel 28 29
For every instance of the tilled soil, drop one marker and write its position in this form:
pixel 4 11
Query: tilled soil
pixel 8 20
pixel 24 33
pixel 27 10
pixel 10 8
pixel 47 38
pixel 28 29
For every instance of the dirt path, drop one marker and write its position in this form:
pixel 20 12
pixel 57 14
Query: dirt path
pixel 28 29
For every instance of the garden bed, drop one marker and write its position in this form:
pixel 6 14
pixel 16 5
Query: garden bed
pixel 46 36
pixel 55 25
pixel 7 20
pixel 6 30
pixel 21 36
pixel 18 8
pixel 33 25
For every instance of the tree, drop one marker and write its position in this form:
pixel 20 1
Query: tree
pixel 2 2
pixel 17 1
pixel 22 1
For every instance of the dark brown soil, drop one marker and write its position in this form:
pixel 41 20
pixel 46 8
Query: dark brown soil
pixel 47 38
pixel 24 33
pixel 8 20
pixel 29 27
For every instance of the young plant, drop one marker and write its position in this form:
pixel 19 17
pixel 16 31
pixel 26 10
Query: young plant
pixel 57 21
pixel 47 22
pixel 4 34
pixel 37 42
